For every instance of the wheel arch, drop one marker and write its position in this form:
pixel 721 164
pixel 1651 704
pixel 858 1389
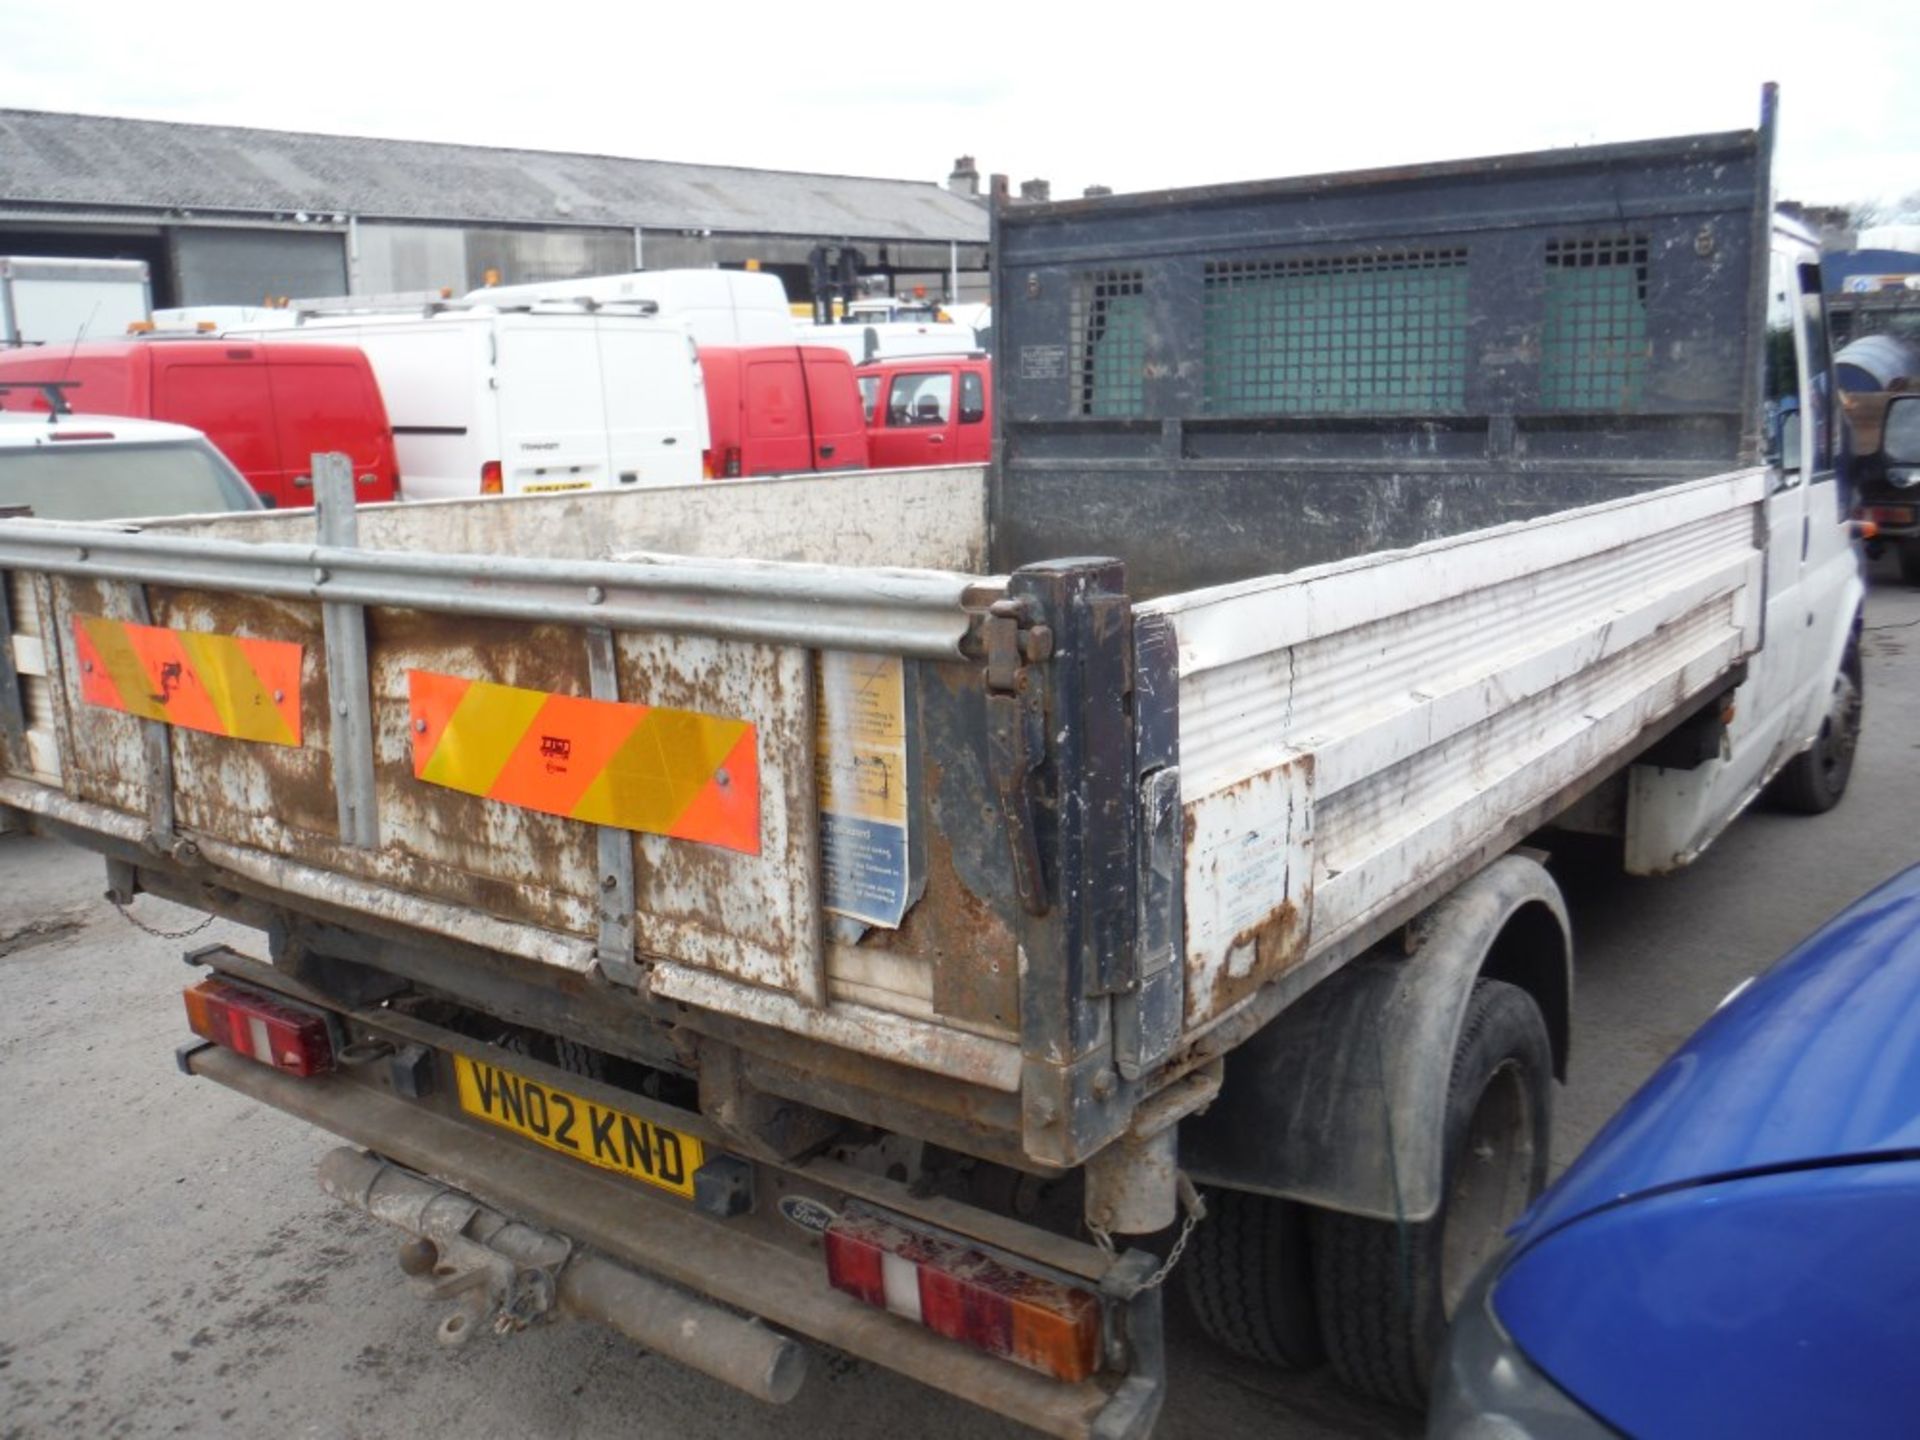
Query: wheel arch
pixel 1534 950
pixel 1341 1101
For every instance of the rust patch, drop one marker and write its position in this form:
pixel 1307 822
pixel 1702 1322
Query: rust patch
pixel 255 794
pixel 1248 865
pixel 754 917
pixel 512 863
pixel 106 755
pixel 976 972
pixel 896 1097
pixel 960 927
pixel 1276 935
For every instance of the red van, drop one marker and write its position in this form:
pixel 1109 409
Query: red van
pixel 928 410
pixel 267 407
pixel 778 409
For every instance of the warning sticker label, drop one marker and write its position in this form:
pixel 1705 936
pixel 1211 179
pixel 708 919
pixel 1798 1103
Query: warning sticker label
pixel 862 748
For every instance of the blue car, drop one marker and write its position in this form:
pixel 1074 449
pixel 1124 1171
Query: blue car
pixel 1738 1251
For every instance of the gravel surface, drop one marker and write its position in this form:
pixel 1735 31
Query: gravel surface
pixel 171 1267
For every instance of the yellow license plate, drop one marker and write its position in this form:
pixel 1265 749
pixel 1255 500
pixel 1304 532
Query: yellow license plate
pixel 544 487
pixel 584 1129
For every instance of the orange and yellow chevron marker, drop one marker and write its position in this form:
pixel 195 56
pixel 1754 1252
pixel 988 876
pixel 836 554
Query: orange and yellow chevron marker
pixel 220 684
pixel 636 767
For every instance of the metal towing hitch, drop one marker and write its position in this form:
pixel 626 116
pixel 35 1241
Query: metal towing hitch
pixel 505 1275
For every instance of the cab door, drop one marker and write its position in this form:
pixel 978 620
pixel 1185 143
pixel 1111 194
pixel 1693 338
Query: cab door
pixel 1776 675
pixel 1811 568
pixel 1831 586
pixel 1812 586
pixel 914 425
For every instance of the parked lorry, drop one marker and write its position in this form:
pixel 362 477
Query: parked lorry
pixel 818 902
pixel 267 407
pixel 530 399
pixel 46 300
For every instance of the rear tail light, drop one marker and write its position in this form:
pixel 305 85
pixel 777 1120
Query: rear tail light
pixel 262 1027
pixel 732 470
pixel 957 1290
pixel 706 464
pixel 1890 514
pixel 490 483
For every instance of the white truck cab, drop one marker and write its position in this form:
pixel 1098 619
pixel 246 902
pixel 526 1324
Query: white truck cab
pixel 1798 714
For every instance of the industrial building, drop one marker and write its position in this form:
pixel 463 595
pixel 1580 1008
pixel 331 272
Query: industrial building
pixel 228 215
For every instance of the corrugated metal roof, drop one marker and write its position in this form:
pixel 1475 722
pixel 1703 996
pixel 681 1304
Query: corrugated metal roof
pixel 100 160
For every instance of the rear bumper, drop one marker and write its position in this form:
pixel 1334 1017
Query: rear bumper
pixel 1894 518
pixel 748 1264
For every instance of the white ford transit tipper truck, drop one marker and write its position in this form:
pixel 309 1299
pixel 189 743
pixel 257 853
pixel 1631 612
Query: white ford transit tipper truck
pixel 923 912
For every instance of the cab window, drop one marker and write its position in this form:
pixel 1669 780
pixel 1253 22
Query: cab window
pixel 973 398
pixel 1817 432
pixel 921 399
pixel 1781 413
pixel 869 394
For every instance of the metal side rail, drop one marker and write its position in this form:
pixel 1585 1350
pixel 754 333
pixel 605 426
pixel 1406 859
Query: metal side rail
pixel 920 613
pixel 641 1246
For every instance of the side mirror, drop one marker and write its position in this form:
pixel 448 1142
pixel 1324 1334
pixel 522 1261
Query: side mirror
pixel 1901 436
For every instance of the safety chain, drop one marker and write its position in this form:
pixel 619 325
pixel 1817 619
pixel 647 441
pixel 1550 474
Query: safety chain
pixel 1196 1209
pixel 126 913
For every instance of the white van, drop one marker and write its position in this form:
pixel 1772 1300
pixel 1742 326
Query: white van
pixel 720 307
pixel 485 402
pixel 890 340
pixel 222 319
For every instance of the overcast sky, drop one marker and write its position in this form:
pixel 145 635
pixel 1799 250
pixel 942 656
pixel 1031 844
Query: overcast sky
pixel 1127 95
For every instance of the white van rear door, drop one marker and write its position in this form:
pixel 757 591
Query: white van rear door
pixel 552 414
pixel 656 405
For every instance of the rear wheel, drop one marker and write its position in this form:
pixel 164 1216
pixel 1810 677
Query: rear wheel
pixel 1815 779
pixel 1249 1283
pixel 1386 1291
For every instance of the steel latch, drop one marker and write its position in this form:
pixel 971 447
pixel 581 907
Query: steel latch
pixel 1017 737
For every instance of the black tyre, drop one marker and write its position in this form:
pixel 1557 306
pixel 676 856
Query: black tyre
pixel 1814 780
pixel 1910 561
pixel 1385 1291
pixel 1249 1282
